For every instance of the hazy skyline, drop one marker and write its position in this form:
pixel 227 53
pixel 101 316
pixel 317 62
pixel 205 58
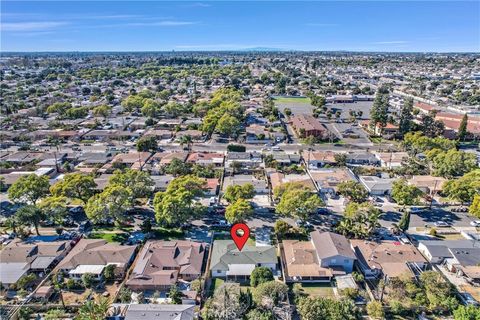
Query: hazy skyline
pixel 410 26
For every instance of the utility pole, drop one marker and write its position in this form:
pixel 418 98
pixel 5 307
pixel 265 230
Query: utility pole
pixel 433 193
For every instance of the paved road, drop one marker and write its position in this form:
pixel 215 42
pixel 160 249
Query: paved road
pixel 289 148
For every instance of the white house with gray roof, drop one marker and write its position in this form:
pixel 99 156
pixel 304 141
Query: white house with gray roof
pixel 228 262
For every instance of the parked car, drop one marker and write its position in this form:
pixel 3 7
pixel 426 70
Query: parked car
pixel 441 224
pixel 417 209
pixel 475 223
pixel 468 299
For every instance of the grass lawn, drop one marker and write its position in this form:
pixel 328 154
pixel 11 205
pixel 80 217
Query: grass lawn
pixel 292 100
pixel 318 290
pixel 216 283
pixel 100 228
pixel 450 236
pixel 167 233
pixel 110 236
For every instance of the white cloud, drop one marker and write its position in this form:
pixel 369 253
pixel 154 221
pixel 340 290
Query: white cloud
pixel 31 26
pixel 165 23
pixel 198 5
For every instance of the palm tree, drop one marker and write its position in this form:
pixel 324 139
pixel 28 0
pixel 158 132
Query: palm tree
pixel 186 140
pixel 93 310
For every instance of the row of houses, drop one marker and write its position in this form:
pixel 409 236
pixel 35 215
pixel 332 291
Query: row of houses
pixel 162 264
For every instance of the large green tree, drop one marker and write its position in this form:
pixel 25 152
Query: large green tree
pixel 474 208
pixel 469 312
pixel 379 111
pixel 405 194
pixel 406 116
pixel 260 275
pixel 29 188
pixel 139 183
pixel 311 308
pixel 462 130
pixel 269 294
pixel 296 201
pixel 175 205
pixel 233 193
pixel 238 211
pixel 112 202
pixel 353 191
pixel 54 208
pixel 359 221
pixel 30 215
pixel 452 163
pixel 94 310
pixel 75 186
pixel 147 144
pixel 464 188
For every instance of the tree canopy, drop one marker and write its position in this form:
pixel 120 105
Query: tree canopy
pixel 405 194
pixel 175 205
pixel 296 200
pixel 138 183
pixel 353 191
pixel 111 203
pixel 238 211
pixel 235 192
pixel 260 275
pixel 29 188
pixel 75 186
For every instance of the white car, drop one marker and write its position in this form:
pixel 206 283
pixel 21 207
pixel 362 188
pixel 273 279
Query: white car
pixel 475 223
pixel 417 209
pixel 441 224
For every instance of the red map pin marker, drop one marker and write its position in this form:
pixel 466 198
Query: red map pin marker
pixel 240 233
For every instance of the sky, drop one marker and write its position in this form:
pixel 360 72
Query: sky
pixel 403 26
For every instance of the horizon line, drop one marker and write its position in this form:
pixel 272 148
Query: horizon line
pixel 266 50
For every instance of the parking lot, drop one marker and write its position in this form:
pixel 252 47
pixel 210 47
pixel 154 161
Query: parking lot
pixel 455 219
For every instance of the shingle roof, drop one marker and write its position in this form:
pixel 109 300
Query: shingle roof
pixel 329 244
pixel 161 262
pixel 225 252
pixel 97 252
pixel 159 312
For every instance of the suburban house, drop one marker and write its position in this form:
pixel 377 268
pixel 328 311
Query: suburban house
pixel 260 134
pixel 169 156
pixel 159 134
pixel 245 159
pixel 389 130
pixel 308 125
pixel 391 159
pixel 319 159
pixel 93 255
pixel 459 256
pixel 133 159
pixel 362 159
pixel 428 184
pixel 162 263
pixel 19 258
pixel 387 258
pixel 196 135
pixel 259 185
pixel 230 263
pixel 151 312
pixel 278 178
pixel 377 186
pixel 212 187
pixel 282 158
pixel 326 255
pixel 327 180
pixel 206 158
